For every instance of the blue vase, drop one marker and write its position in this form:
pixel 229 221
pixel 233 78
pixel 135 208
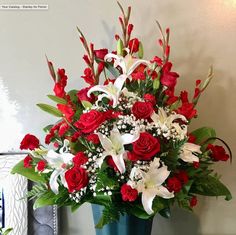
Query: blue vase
pixel 127 225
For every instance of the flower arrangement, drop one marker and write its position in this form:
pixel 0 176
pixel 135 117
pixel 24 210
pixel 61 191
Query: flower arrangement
pixel 123 142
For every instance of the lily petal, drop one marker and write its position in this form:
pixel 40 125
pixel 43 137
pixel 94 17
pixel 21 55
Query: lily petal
pixel 147 199
pixel 105 142
pixel 119 161
pixel 164 192
pixel 53 181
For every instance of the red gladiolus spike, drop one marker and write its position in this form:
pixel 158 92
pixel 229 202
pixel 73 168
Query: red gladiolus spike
pixel 121 20
pixel 167 30
pixel 117 37
pixel 82 40
pixel 167 50
pixel 130 29
pixel 160 42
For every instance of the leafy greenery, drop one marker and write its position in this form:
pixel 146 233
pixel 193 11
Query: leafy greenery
pixel 203 134
pixel 6 232
pixel 210 186
pixel 57 99
pixel 50 109
pixel 28 172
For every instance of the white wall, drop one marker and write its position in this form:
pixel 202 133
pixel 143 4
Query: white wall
pixel 203 32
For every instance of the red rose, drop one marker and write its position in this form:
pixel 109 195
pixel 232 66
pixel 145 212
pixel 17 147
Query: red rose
pixel 100 54
pixel 79 159
pixel 90 121
pixel 174 184
pixel 217 153
pixel 142 110
pixel 187 110
pixel 183 177
pixel 132 156
pixel 168 78
pixel 193 201
pixel 76 179
pixel 146 146
pixel 134 45
pixel 93 138
pixel 128 193
pixel 27 161
pixel 41 165
pixel 67 111
pixel 82 95
pixel 150 98
pixel 88 76
pixel 29 142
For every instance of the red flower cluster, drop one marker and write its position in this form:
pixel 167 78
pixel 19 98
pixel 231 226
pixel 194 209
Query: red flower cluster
pixel 217 153
pixel 175 183
pixel 128 193
pixel 29 142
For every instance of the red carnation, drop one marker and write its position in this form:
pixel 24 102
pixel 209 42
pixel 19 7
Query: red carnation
pixel 100 53
pixel 79 159
pixel 183 177
pixel 90 121
pixel 146 146
pixel 168 78
pixel 142 110
pixel 193 201
pixel 128 193
pixel 29 142
pixel 41 165
pixel 174 184
pixel 76 179
pixel 28 161
pixel 150 98
pixel 217 153
pixel 196 165
pixel 134 45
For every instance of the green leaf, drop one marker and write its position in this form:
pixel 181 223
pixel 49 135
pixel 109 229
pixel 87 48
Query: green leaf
pixel 7 231
pixel 138 211
pixel 57 99
pixel 46 199
pixel 203 134
pixel 50 109
pixel 210 186
pixel 47 128
pixel 120 47
pixel 165 213
pixel 112 70
pixel 27 172
pixel 86 104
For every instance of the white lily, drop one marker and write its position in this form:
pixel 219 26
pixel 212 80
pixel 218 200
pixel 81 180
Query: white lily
pixel 58 162
pixel 128 64
pixel 149 183
pixel 187 151
pixel 114 147
pixel 112 91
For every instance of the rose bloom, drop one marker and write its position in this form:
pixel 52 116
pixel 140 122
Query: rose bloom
pixel 174 184
pixel 27 161
pixel 29 142
pixel 217 153
pixel 76 179
pixel 90 121
pixel 41 165
pixel 142 110
pixel 146 146
pixel 128 193
pixel 82 95
pixel 79 159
